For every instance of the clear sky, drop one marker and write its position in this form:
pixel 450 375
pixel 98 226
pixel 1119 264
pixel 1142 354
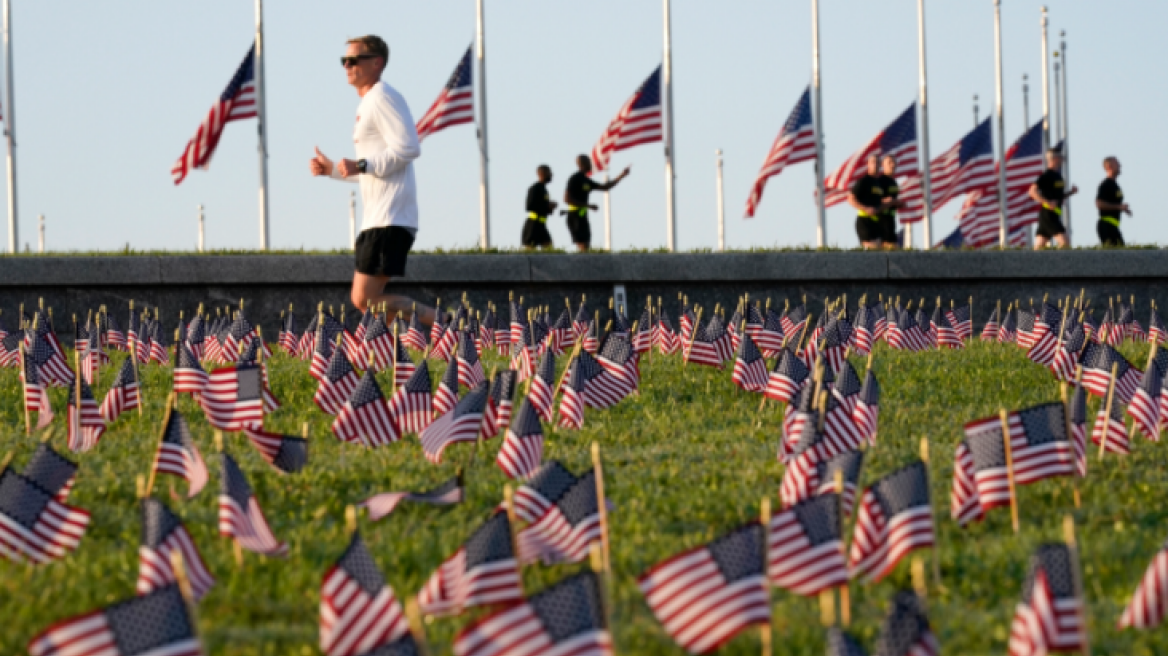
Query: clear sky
pixel 109 93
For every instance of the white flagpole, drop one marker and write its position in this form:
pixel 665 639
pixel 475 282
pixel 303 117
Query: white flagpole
pixel 607 218
pixel 721 205
pixel 1002 237
pixel 1045 87
pixel 667 100
pixel 926 178
pixel 202 231
pixel 481 97
pixel 261 123
pixel 1066 134
pixel 1025 102
pixel 10 130
pixel 820 201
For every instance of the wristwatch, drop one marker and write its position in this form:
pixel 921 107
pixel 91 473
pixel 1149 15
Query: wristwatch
pixel 361 164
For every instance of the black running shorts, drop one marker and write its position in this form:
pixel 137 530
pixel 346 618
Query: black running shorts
pixel 580 229
pixel 383 251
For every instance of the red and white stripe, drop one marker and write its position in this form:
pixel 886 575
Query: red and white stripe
pixel 519 457
pixel 451 589
pixel 155 569
pixel 795 565
pixel 553 539
pixel 353 622
pixel 1150 601
pixel 248 526
pixel 880 542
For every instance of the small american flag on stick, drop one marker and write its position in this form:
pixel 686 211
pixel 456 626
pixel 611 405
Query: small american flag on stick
pixel 53 472
pixel 179 455
pixel 155 623
pixel 806 547
pixel 240 515
pixel 895 518
pixel 447 494
pixel 163 533
pixel 482 572
pixel 359 613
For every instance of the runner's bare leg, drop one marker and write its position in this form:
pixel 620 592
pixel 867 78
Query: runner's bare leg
pixel 370 290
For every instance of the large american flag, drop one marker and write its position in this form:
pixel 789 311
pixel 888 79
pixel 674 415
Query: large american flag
pixel 163 533
pixel 806 547
pixel 1050 616
pixel 566 619
pixel 358 611
pixel 895 517
pixel 33 524
pixel 980 216
pixel 638 122
pixel 237 102
pixel 795 144
pixel 240 515
pixel 482 572
pixel 179 455
pixel 446 494
pixel 155 623
pixel 898 139
pixel 966 167
pixel 455 104
pixel 707 595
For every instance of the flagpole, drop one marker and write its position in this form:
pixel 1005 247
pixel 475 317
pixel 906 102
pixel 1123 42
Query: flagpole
pixel 667 99
pixel 202 231
pixel 1066 133
pixel 352 219
pixel 1025 102
pixel 1045 86
pixel 9 130
pixel 607 218
pixel 926 177
pixel 721 206
pixel 481 96
pixel 1001 125
pixel 261 123
pixel 821 208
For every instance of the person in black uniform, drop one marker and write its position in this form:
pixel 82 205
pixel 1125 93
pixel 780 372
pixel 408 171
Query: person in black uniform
pixel 889 203
pixel 1109 200
pixel 1050 192
pixel 867 197
pixel 539 207
pixel 576 199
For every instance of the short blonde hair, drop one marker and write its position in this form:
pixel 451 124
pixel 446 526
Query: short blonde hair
pixel 374 45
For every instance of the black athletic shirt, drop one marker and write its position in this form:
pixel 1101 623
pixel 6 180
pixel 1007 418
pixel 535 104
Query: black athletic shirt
pixel 538 200
pixel 868 190
pixel 891 190
pixel 1051 186
pixel 579 186
pixel 1109 192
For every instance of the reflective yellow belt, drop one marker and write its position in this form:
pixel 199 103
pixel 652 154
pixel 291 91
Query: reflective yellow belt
pixel 873 217
pixel 1110 219
pixel 1056 210
pixel 535 217
pixel 582 211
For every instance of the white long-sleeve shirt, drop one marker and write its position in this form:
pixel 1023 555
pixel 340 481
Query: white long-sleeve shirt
pixel 387 140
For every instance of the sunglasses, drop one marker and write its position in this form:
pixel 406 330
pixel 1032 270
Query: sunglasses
pixel 353 61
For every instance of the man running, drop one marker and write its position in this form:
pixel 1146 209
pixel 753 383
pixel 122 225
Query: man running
pixel 539 207
pixel 889 203
pixel 387 145
pixel 867 197
pixel 1050 192
pixel 576 198
pixel 1109 200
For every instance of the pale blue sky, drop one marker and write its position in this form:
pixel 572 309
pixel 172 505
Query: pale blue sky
pixel 107 95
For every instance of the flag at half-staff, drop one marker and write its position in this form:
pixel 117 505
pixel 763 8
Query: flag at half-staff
pixel 455 103
pixel 163 534
pixel 795 144
pixel 178 454
pixel 980 216
pixel 53 472
pixel 1050 616
pixel 411 406
pixel 365 417
pixel 240 515
pixel 85 424
pixel 484 571
pixel 359 614
pixel 447 494
pixel 905 631
pixel 638 122
pixel 707 595
pixel 286 454
pixel 156 623
pixel 33 524
pixel 1040 448
pixel 460 424
pixel 337 384
pixel 566 618
pixel 966 167
pixel 501 402
pixel 522 450
pixel 806 547
pixel 1149 602
pixel 895 517
pixel 563 514
pixel 898 139
pixel 237 102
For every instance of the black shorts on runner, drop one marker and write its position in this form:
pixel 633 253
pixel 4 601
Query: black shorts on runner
pixel 383 251
pixel 868 230
pixel 1050 224
pixel 580 229
pixel 1109 234
pixel 535 234
pixel 888 229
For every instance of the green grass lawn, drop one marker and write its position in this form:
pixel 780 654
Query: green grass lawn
pixel 689 458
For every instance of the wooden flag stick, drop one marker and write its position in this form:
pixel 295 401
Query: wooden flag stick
pixel 765 629
pixel 417 627
pixel 1067 426
pixel 918 578
pixel 350 520
pixel 184 584
pixel 75 420
pixel 693 334
pixel 827 608
pixel 512 522
pixel 137 378
pixel 1005 419
pixel 1151 357
pixel 596 561
pixel 933 515
pixel 170 402
pixel 1107 410
pixel 6 460
pixel 602 507
pixel 845 596
pixel 24 382
pixel 1077 575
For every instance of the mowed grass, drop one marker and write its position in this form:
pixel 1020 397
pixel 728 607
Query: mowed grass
pixel 686 460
